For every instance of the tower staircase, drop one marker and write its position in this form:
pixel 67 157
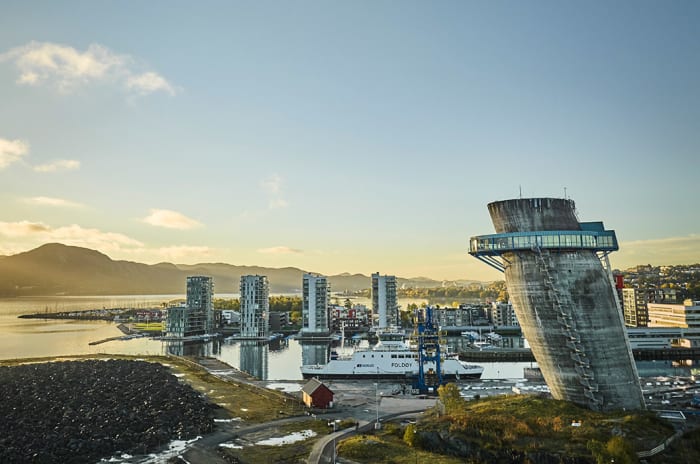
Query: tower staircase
pixel 563 305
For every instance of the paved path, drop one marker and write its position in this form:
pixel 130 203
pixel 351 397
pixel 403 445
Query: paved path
pixel 324 449
pixel 205 450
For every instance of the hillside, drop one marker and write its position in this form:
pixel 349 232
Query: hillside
pixel 512 428
pixel 56 269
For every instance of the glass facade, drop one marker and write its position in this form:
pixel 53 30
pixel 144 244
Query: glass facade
pixel 563 240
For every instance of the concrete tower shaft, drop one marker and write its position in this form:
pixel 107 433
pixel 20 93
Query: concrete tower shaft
pixel 566 305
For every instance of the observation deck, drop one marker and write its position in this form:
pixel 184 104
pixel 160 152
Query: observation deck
pixel 592 236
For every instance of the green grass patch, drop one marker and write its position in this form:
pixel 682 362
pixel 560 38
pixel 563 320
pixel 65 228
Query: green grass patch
pixel 387 447
pixel 156 327
pixel 292 453
pixel 491 429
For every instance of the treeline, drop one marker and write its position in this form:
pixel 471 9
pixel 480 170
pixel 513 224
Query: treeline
pixel 277 303
pixel 493 291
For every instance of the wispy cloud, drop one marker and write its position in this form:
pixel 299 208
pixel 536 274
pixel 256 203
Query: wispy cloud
pixel 149 82
pixel 280 250
pixel 49 201
pixel 22 228
pixel 11 151
pixel 38 232
pixel 184 251
pixel 272 186
pixel 670 250
pixel 58 165
pixel 66 68
pixel 170 219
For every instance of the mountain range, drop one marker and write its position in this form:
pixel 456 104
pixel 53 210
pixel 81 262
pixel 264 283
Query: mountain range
pixel 57 269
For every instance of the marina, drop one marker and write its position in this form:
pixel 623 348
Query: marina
pixel 279 360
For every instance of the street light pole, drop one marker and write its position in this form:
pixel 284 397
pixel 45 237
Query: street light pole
pixel 334 425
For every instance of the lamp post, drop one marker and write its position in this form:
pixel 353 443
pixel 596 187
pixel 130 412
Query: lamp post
pixel 334 427
pixel 415 449
pixel 377 398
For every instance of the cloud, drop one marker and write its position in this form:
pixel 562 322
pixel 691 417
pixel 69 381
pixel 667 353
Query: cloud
pixel 66 68
pixel 49 201
pixel 272 185
pixel 275 203
pixel 22 228
pixel 280 250
pixel 11 151
pixel 184 251
pixel 669 250
pixel 170 219
pixel 149 82
pixel 38 232
pixel 58 165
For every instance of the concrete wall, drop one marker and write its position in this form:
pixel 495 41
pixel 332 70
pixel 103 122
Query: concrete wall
pixel 567 309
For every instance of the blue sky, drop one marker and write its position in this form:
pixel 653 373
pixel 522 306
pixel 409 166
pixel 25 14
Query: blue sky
pixel 359 136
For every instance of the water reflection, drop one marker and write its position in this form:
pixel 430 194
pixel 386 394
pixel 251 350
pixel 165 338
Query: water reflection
pixel 315 352
pixel 254 355
pixel 193 348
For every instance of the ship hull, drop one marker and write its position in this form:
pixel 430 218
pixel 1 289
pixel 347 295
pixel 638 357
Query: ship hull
pixel 341 376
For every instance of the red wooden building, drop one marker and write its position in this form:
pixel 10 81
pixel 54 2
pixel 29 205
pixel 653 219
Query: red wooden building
pixel 316 395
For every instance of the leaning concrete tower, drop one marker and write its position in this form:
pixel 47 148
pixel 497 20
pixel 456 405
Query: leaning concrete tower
pixel 558 277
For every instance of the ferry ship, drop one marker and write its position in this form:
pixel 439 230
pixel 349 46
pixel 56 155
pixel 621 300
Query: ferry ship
pixel 388 359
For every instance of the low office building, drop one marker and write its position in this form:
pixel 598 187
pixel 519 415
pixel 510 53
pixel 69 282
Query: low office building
pixel 674 315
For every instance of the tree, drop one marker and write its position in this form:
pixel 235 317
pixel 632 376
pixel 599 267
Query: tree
pixel 409 435
pixel 450 397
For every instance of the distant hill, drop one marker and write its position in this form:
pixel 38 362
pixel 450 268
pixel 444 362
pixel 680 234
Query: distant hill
pixel 56 269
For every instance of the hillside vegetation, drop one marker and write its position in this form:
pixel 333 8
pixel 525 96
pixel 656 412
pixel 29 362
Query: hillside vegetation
pixel 527 429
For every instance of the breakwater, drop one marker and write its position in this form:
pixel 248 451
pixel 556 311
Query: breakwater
pixel 82 411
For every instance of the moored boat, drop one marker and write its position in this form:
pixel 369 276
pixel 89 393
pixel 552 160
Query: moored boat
pixel 389 359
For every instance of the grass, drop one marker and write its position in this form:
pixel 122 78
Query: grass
pixel 293 453
pixel 156 327
pixel 488 428
pixel 387 447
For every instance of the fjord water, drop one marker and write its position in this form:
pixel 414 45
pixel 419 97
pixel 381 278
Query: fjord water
pixel 33 338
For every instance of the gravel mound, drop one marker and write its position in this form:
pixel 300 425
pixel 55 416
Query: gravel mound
pixel 81 411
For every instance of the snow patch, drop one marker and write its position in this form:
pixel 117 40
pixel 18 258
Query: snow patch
pixel 289 439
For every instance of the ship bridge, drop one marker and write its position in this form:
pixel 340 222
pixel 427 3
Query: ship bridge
pixel 592 236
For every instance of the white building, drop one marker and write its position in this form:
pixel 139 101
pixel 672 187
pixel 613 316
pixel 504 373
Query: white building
pixel 384 301
pixel 674 315
pixel 315 309
pixel 255 306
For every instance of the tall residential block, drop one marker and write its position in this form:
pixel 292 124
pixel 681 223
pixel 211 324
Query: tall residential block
pixel 255 306
pixel 559 281
pixel 384 301
pixel 196 316
pixel 315 309
pixel 634 307
pixel 200 305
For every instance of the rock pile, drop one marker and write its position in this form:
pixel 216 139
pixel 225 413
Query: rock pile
pixel 81 411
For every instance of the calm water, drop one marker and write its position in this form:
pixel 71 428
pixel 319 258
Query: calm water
pixel 280 360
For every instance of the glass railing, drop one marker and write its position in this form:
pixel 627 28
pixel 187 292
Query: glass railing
pixel 601 240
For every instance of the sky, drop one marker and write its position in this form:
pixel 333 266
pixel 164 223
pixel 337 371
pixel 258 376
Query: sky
pixel 363 136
